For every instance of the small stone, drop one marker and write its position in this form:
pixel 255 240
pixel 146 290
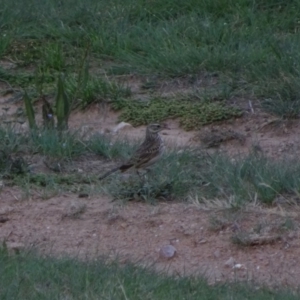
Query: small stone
pixel 167 251
pixel 230 262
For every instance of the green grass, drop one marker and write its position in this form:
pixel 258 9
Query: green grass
pixel 28 276
pixel 252 44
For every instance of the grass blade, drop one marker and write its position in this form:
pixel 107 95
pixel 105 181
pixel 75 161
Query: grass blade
pixel 62 105
pixel 29 111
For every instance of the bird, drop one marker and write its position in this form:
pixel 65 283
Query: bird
pixel 147 153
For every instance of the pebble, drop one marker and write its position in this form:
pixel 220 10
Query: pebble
pixel 167 251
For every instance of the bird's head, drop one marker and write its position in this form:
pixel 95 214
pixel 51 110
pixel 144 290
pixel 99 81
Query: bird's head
pixel 156 127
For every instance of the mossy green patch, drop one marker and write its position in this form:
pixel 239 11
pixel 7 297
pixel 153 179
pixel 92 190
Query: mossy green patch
pixel 192 114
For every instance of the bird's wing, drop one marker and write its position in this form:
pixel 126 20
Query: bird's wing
pixel 143 154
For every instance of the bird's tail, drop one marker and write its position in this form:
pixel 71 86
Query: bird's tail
pixel 109 172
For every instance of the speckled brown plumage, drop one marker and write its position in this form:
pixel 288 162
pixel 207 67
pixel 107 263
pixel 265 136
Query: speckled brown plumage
pixel 147 153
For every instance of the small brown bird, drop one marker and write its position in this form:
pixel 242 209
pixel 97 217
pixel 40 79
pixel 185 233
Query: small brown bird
pixel 148 152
